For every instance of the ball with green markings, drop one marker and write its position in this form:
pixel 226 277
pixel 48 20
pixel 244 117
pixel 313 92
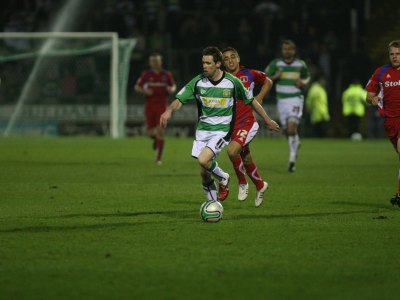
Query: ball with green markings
pixel 211 211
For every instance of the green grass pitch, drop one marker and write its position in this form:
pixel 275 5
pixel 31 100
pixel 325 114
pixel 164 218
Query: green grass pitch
pixel 95 218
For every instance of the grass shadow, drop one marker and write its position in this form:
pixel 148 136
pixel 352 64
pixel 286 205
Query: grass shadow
pixel 103 225
pixel 362 204
pixel 59 228
pixel 305 215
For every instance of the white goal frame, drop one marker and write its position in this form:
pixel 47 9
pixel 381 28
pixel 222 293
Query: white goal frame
pixel 116 129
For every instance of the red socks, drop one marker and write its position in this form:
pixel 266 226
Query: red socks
pixel 252 172
pixel 239 169
pixel 159 148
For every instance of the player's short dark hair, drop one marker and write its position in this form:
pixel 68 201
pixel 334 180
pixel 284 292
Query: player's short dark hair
pixel 155 53
pixel 230 49
pixel 395 44
pixel 214 52
pixel 289 42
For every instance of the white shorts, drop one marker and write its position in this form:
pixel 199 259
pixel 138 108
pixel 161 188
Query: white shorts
pixel 290 109
pixel 211 139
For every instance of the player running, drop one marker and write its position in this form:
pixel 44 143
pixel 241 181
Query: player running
pixel 155 84
pixel 215 92
pixel 246 126
pixel 384 92
pixel 290 74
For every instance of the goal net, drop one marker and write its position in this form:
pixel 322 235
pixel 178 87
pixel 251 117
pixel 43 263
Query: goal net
pixel 63 83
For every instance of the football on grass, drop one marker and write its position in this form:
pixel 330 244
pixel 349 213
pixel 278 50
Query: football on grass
pixel 211 211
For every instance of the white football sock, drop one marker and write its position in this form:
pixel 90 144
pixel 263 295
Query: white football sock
pixel 217 171
pixel 293 141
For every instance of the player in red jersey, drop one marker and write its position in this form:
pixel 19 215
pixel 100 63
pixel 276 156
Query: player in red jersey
pixel 155 84
pixel 246 126
pixel 384 92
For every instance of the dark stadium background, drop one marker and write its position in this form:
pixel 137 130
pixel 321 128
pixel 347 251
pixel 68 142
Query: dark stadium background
pixel 341 39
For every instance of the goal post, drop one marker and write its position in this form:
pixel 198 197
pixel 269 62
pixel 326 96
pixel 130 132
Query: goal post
pixel 31 60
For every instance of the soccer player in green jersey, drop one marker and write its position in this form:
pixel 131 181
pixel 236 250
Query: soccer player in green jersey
pixel 290 75
pixel 216 93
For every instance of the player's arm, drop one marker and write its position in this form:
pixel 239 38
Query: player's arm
pixel 265 88
pixel 139 86
pixel 272 125
pixel 247 96
pixel 373 98
pixel 276 76
pixel 272 71
pixel 142 91
pixel 301 82
pixel 304 77
pixel 171 89
pixel 167 114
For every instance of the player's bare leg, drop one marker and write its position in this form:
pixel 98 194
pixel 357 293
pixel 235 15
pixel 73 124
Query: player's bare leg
pixel 207 162
pixel 159 143
pixel 151 132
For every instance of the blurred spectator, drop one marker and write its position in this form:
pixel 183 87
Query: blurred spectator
pixel 140 46
pixel 189 32
pixel 266 7
pixel 324 60
pixel 245 33
pixel 157 41
pixel 16 24
pixel 354 101
pixel 317 106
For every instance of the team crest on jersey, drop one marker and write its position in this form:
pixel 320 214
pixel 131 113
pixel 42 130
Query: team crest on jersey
pixel 244 79
pixel 249 91
pixel 226 93
pixel 202 91
pixel 388 76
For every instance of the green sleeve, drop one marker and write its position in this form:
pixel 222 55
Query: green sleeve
pixel 187 93
pixel 271 69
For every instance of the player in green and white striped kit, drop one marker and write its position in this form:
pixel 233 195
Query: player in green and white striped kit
pixel 290 74
pixel 215 92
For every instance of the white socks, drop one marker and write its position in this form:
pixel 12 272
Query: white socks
pixel 217 171
pixel 294 142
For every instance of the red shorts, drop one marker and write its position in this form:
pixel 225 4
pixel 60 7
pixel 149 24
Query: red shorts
pixel 245 133
pixel 392 127
pixel 153 114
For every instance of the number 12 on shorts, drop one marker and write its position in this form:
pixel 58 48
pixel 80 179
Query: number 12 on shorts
pixel 242 134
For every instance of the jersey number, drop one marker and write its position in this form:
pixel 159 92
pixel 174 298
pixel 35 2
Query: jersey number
pixel 296 109
pixel 242 134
